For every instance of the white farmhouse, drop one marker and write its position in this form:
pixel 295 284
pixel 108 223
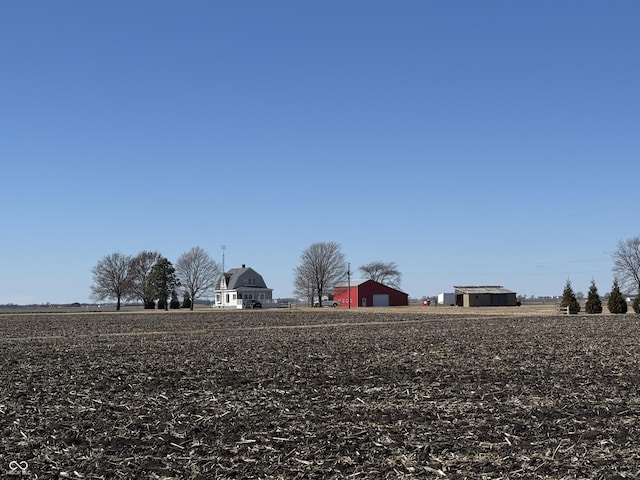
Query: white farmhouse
pixel 243 288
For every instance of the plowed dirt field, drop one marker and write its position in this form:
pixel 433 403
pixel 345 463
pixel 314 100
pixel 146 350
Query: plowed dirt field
pixel 319 394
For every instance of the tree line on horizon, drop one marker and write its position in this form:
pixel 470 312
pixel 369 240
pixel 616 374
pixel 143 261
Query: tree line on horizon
pixel 626 268
pixel 323 266
pixel 616 301
pixel 152 279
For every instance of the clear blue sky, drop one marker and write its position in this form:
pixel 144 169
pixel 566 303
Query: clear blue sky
pixel 472 143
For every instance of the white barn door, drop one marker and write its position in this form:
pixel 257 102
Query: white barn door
pixel 380 299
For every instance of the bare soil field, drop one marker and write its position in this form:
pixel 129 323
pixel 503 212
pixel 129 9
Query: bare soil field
pixel 320 393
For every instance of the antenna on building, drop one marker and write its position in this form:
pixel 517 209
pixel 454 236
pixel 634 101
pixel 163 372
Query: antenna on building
pixel 223 248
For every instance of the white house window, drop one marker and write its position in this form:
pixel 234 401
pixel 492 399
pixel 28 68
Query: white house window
pixel 234 296
pixel 239 296
pixel 218 298
pixel 261 296
pixel 248 296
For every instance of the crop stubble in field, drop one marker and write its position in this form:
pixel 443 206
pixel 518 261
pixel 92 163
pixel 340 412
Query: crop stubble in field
pixel 320 394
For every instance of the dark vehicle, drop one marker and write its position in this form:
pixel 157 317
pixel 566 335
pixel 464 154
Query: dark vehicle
pixel 255 304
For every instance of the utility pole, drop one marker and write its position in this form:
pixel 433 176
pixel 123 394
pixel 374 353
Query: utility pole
pixel 349 283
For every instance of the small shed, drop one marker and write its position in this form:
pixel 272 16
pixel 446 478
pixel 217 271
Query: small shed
pixel 485 296
pixel 446 298
pixel 369 293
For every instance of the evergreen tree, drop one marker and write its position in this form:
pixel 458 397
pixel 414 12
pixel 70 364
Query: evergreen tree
pixel 186 300
pixel 139 273
pixel 636 304
pixel 594 303
pixel 149 296
pixel 569 299
pixel 175 301
pixel 163 281
pixel 617 302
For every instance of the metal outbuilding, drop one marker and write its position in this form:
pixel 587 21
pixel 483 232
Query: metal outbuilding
pixel 369 293
pixel 485 296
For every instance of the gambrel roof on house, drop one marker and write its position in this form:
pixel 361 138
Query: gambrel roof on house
pixel 242 288
pixel 243 277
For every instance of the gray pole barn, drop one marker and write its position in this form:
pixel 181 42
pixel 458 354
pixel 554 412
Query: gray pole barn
pixel 484 296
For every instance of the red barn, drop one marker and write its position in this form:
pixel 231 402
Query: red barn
pixel 369 293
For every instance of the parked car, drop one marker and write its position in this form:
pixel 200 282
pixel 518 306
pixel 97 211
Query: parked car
pixel 251 304
pixel 326 303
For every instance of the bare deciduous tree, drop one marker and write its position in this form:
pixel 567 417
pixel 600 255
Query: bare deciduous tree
pixel 386 273
pixel 139 273
pixel 626 264
pixel 111 278
pixel 303 285
pixel 197 272
pixel 322 266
